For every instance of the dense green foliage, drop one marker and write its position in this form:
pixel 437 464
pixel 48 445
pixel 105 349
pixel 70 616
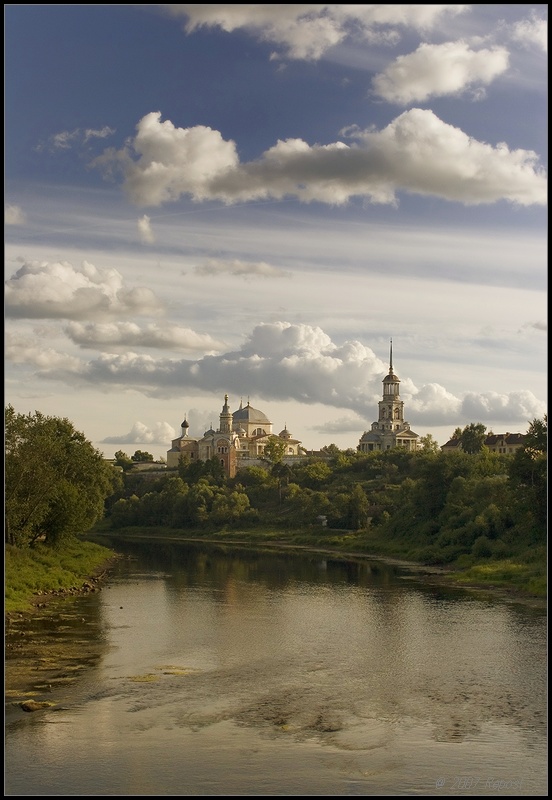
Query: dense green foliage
pixel 432 506
pixel 477 510
pixel 56 482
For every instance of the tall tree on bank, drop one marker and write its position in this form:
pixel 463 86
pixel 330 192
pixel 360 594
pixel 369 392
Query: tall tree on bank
pixel 528 470
pixel 56 482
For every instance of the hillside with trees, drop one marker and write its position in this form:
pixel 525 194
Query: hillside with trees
pixel 459 508
pixel 467 508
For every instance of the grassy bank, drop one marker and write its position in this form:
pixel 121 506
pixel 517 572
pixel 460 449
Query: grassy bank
pixel 44 569
pixel 525 573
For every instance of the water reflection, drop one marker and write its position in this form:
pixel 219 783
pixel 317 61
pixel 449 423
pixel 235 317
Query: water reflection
pixel 249 671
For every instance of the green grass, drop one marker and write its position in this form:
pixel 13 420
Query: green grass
pixel 527 577
pixel 40 569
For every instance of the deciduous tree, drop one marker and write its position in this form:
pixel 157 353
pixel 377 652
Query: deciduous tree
pixel 274 450
pixel 141 456
pixel 56 482
pixel 472 437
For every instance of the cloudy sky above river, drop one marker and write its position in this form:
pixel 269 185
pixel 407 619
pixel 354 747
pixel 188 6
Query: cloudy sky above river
pixel 254 199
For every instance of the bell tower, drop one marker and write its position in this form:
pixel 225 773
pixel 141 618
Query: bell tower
pixel 225 417
pixel 391 408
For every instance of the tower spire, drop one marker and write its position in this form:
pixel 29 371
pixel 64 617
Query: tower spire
pixel 391 357
pixel 225 417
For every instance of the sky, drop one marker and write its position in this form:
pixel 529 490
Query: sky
pixel 254 200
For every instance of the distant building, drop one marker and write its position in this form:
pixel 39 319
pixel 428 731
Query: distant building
pixel 506 443
pixel 391 429
pixel 240 440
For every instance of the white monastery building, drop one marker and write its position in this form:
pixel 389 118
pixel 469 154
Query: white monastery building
pixel 242 435
pixel 240 440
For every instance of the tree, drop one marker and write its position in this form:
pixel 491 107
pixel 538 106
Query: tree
pixel 315 473
pixel 122 460
pixel 140 456
pixel 56 482
pixel 528 470
pixel 427 444
pixel 358 508
pixel 282 473
pixel 229 507
pixel 472 437
pixel 274 450
pixel 331 449
pixel 537 436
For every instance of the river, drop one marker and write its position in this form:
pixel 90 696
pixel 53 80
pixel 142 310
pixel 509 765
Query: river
pixel 220 670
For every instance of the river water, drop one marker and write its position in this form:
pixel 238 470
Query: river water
pixel 218 670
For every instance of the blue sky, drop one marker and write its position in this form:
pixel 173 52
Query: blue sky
pixel 254 199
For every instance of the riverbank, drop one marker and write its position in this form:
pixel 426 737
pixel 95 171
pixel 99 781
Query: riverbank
pixel 504 580
pixel 33 577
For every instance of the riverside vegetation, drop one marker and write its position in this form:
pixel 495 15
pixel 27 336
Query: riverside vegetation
pixel 56 485
pixel 481 515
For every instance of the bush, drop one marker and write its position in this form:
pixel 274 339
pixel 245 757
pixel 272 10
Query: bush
pixel 482 547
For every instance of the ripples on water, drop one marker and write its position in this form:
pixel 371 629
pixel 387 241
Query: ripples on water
pixel 229 672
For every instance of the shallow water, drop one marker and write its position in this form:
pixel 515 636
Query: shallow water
pixel 222 671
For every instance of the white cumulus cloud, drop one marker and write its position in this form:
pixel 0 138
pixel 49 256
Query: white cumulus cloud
pixel 307 31
pixel 109 335
pixel 491 405
pixel 42 289
pixel 282 361
pixel 416 153
pixel 434 70
pixel 21 349
pixel 532 31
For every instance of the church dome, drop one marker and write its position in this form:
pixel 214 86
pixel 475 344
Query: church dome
pixel 285 434
pixel 250 415
pixel 241 431
pixel 370 436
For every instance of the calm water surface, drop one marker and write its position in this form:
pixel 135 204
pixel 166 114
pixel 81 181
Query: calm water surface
pixel 224 671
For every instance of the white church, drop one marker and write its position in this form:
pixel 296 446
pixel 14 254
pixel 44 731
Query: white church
pixel 391 428
pixel 239 441
pixel 242 435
